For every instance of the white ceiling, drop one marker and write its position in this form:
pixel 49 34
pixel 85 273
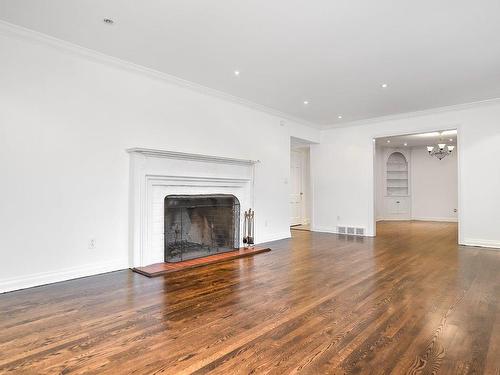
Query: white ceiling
pixel 419 140
pixel 334 54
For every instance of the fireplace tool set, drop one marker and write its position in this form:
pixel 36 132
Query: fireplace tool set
pixel 248 228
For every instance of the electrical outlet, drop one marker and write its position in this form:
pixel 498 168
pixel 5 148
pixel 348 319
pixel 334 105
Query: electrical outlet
pixel 455 210
pixel 92 244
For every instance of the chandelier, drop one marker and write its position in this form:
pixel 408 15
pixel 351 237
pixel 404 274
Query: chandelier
pixel 441 151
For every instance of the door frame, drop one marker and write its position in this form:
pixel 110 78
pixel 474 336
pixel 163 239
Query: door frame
pixel 414 132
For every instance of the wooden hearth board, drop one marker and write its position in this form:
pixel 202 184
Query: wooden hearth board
pixel 159 269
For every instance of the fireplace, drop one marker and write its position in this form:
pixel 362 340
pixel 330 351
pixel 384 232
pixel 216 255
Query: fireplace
pixel 200 225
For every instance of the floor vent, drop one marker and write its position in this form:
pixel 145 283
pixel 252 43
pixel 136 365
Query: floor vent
pixel 360 231
pixel 351 231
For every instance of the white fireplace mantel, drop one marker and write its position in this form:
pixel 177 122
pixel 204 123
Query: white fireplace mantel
pixel 155 174
pixel 187 156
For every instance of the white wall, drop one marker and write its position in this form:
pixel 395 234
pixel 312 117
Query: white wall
pixel 434 192
pixel 343 174
pixel 66 119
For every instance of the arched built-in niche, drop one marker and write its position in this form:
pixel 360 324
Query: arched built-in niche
pixel 397 175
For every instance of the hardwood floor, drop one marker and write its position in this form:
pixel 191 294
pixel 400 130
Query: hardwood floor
pixel 408 302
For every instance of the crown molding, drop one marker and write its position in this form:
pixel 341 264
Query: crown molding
pixel 406 115
pixel 10 29
pixel 186 156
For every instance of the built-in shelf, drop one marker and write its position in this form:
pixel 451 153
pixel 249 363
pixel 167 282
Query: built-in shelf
pixel 397 175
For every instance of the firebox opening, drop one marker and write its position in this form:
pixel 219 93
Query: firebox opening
pixel 200 225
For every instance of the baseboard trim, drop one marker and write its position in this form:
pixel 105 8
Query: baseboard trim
pixel 491 244
pixel 324 230
pixel 393 219
pixel 438 219
pixel 275 237
pixel 43 278
pixel 445 219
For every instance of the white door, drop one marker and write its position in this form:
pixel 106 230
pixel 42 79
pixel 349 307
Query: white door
pixel 295 188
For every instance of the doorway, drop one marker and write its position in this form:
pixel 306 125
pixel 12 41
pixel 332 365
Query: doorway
pixel 416 177
pixel 300 197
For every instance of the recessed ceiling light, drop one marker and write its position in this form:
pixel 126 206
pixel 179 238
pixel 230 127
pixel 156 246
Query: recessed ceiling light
pixel 339 117
pixel 451 139
pixel 449 132
pixel 406 144
pixel 236 72
pixel 432 134
pixel 306 102
pixel 384 85
pixel 388 141
pixel 109 21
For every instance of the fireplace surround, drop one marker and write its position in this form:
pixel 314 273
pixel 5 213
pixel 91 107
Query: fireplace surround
pixel 200 225
pixel 156 174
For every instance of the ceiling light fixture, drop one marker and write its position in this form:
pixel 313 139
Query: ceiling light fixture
pixel 236 72
pixel 385 85
pixel 339 117
pixel 109 21
pixel 441 151
pixel 388 141
pixel 406 144
pixel 306 102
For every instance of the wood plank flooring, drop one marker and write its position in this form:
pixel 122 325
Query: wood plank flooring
pixel 407 302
